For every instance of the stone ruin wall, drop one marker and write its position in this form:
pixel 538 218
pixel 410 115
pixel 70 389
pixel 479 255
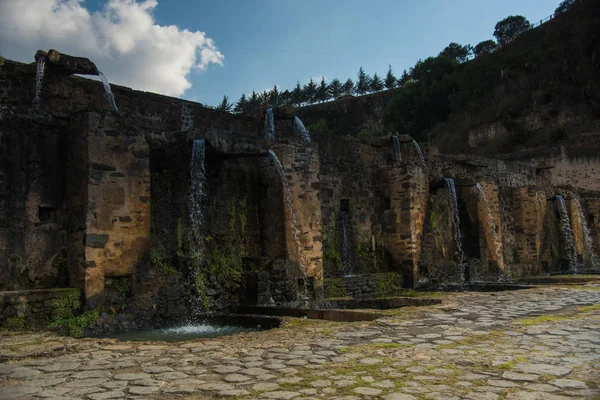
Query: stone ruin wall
pixel 102 216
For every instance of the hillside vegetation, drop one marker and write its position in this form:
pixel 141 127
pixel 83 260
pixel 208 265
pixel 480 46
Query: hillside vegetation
pixel 548 70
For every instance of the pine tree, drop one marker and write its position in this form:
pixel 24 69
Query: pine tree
pixel 273 97
pixel 403 79
pixel 224 105
pixel 285 98
pixel 363 83
pixel 241 105
pixel 322 93
pixel 390 79
pixel 310 92
pixel 253 102
pixel 348 87
pixel 376 83
pixel 297 94
pixel 335 88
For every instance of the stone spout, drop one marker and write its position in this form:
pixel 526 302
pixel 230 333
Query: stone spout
pixel 66 64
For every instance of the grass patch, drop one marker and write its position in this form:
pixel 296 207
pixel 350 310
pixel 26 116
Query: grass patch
pixel 543 319
pixel 586 309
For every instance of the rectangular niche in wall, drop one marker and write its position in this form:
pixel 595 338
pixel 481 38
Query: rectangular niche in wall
pixel 47 215
pixel 345 205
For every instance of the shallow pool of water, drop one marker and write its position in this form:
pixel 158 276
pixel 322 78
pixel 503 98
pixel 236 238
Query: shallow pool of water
pixel 185 332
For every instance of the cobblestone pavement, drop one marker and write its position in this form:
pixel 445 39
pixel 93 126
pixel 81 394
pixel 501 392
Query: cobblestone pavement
pixel 541 343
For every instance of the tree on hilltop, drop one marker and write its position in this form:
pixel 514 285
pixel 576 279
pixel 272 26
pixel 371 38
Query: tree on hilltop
pixel 363 83
pixel 457 52
pixel 510 28
pixel 376 83
pixel 390 79
pixel 348 87
pixel 485 47
pixel 335 88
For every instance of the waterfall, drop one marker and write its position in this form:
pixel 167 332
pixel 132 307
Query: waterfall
pixel 587 235
pixel 39 79
pixel 269 124
pixel 491 227
pixel 294 223
pixel 397 148
pixel 109 95
pixel 346 239
pixel 565 224
pixel 197 192
pixel 456 225
pixel 301 129
pixel 420 153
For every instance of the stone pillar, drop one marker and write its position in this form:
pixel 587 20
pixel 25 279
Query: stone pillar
pixel 492 239
pixel 577 226
pixel 301 166
pixel 529 212
pixel 409 192
pixel 117 221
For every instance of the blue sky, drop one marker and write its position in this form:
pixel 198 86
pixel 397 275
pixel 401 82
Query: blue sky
pixel 268 42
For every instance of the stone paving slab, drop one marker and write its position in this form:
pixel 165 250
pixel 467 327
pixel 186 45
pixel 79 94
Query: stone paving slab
pixel 530 344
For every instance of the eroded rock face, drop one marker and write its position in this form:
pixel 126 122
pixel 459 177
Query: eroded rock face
pixel 66 64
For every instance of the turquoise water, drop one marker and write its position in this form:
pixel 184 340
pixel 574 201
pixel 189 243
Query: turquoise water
pixel 185 332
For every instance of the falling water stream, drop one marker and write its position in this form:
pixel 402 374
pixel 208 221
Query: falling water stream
pixel 269 124
pixel 565 224
pixel 492 227
pixel 197 192
pixel 461 266
pixel 587 235
pixel 39 80
pixel 293 221
pixel 109 95
pixel 419 152
pixel 301 129
pixel 397 148
pixel 346 239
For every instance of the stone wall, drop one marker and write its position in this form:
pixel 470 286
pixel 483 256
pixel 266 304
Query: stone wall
pixel 36 309
pixel 362 285
pixel 99 200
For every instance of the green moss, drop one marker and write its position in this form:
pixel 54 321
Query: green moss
pixel 389 283
pixel 76 325
pixel 158 261
pixel 336 288
pixel 14 323
pixel 122 285
pixel 318 127
pixel 61 307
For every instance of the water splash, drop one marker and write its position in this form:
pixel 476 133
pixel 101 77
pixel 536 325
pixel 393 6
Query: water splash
pixel 588 238
pixel 292 215
pixel 491 227
pixel 419 152
pixel 565 224
pixel 197 190
pixel 269 124
pixel 397 148
pixel 461 266
pixel 301 129
pixel 346 239
pixel 107 90
pixel 39 80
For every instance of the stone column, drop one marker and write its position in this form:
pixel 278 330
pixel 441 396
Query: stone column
pixel 492 239
pixel 529 212
pixel 301 166
pixel 117 221
pixel 409 192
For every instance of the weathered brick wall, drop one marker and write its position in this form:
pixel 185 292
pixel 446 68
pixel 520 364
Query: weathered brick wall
pixel 36 309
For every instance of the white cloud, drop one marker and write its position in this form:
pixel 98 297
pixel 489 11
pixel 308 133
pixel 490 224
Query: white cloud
pixel 122 39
